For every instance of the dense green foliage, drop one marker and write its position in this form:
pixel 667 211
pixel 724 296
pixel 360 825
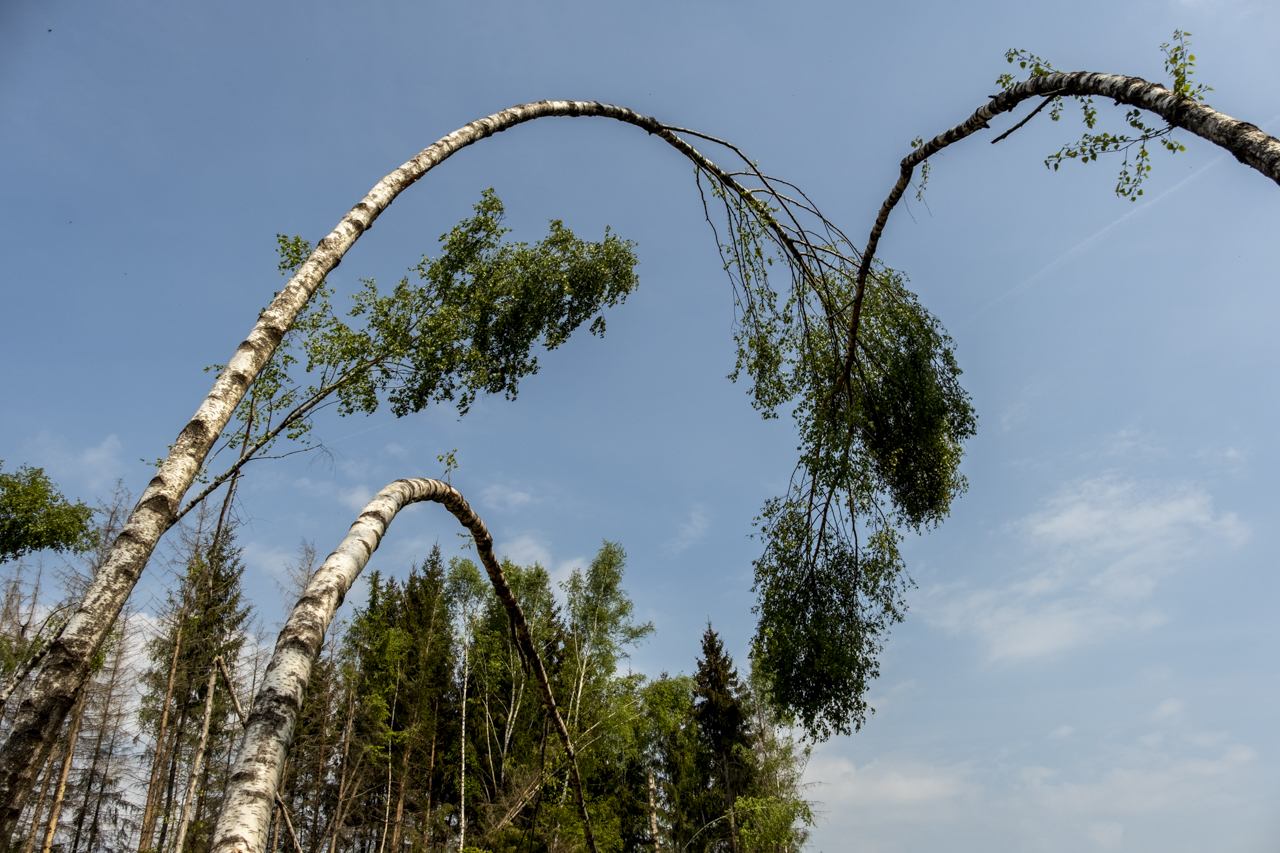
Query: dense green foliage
pixel 881 458
pixel 881 418
pixel 34 516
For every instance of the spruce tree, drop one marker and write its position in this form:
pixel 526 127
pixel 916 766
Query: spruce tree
pixel 205 618
pixel 724 736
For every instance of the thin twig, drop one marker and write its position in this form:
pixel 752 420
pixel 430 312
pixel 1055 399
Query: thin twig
pixel 1030 116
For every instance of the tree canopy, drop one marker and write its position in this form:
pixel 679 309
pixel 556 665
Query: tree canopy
pixel 34 516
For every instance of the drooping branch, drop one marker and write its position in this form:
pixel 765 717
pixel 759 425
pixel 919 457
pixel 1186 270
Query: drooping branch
pixel 67 664
pixel 1245 141
pixel 246 812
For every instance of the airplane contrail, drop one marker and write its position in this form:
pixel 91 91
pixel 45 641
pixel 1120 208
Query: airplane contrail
pixel 1095 237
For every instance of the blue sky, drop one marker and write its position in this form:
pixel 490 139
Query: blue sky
pixel 1090 661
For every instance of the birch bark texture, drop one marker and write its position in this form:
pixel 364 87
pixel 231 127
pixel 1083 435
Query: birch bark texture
pixel 243 824
pixel 66 666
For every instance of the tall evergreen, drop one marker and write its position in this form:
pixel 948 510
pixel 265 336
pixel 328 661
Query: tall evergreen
pixel 725 761
pixel 205 618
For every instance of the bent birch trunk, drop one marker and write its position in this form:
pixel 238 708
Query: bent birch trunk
pixel 1250 145
pixel 251 790
pixel 66 666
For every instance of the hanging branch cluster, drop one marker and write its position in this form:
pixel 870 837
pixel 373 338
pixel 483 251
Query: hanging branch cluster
pixel 871 380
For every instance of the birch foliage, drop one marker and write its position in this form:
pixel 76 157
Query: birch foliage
pixel 466 323
pixel 871 380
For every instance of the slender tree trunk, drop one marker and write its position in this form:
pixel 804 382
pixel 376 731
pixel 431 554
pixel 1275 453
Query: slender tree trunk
pixel 39 810
pixel 67 665
pixel 55 811
pixel 153 790
pixel 343 777
pixel 431 762
pixel 93 764
pixel 462 797
pixel 171 780
pixel 275 830
pixel 199 759
pixel 653 815
pixel 397 830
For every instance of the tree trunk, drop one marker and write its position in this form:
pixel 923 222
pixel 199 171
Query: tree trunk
pixel 338 809
pixel 242 825
pixel 462 769
pixel 55 811
pixel 30 843
pixel 1249 144
pixel 653 815
pixel 153 790
pixel 195 767
pixel 171 780
pixel 68 662
pixel 109 695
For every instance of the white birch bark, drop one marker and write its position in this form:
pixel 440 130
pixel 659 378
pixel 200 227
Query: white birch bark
pixel 66 666
pixel 246 810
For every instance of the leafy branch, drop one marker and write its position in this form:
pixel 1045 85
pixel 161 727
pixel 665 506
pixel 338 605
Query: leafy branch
pixel 1179 64
pixel 468 326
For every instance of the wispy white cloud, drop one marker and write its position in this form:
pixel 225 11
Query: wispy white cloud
pixel 889 784
pixel 354 497
pixel 1143 782
pixel 505 497
pixel 529 548
pixel 526 550
pixel 1095 554
pixel 94 469
pixel 690 533
pixel 1104 801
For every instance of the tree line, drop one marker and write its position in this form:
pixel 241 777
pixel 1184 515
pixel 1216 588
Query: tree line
pixel 421 728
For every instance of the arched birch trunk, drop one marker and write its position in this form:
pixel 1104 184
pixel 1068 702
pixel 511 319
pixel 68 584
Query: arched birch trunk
pixel 1250 145
pixel 251 791
pixel 66 665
